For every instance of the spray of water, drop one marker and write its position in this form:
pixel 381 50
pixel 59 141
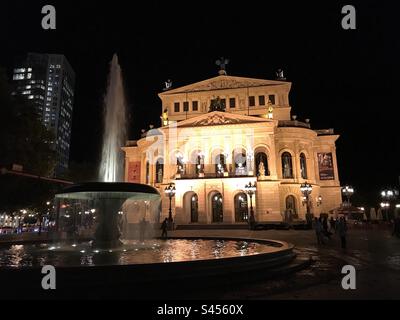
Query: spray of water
pixel 114 126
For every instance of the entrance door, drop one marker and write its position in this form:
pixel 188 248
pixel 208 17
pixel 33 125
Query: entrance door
pixel 194 208
pixel 217 207
pixel 241 207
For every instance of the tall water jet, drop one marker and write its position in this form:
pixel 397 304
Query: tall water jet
pixel 114 126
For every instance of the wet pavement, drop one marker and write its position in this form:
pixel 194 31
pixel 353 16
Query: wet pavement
pixel 373 252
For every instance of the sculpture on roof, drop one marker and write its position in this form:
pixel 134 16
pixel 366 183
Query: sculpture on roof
pixel 217 105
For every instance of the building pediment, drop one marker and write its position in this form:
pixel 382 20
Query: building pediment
pixel 218 118
pixel 224 82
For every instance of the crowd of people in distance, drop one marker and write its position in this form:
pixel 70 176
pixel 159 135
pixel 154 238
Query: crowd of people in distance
pixel 325 230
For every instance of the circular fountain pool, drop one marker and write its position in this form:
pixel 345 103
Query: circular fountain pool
pixel 131 252
pixel 139 270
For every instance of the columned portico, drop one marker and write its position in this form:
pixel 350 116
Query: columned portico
pixel 235 131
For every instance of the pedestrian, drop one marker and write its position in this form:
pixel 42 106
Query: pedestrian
pixel 332 223
pixel 396 227
pixel 318 230
pixel 164 228
pixel 326 232
pixel 342 230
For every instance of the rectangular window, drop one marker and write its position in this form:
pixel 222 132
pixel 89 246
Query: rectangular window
pixel 195 105
pixel 223 102
pixel 176 107
pixel 261 100
pixel 252 101
pixel 271 98
pixel 186 106
pixel 232 103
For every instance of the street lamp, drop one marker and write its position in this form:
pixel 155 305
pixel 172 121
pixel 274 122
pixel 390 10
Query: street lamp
pixel 385 207
pixel 388 196
pixel 251 190
pixel 319 200
pixel 170 192
pixel 306 190
pixel 348 192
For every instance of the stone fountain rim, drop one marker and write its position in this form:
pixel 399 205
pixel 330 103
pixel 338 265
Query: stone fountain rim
pixel 127 187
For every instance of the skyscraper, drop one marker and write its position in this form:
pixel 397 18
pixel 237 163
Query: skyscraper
pixel 47 81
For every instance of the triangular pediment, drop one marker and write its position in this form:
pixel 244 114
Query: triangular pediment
pixel 218 118
pixel 224 82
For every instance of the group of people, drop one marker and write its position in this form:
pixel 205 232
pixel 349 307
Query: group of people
pixel 336 226
pixel 396 227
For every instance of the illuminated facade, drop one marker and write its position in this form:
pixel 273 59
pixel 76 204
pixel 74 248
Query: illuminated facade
pixel 220 134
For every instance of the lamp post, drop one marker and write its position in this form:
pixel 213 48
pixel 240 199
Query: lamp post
pixel 251 190
pixel 388 196
pixel 385 207
pixel 306 190
pixel 348 192
pixel 319 200
pixel 170 192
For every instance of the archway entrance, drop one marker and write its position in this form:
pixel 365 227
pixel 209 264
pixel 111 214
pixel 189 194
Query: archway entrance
pixel 194 208
pixel 291 212
pixel 217 207
pixel 191 206
pixel 241 207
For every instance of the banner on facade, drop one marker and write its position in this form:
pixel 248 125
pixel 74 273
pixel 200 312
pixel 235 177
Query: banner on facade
pixel 325 165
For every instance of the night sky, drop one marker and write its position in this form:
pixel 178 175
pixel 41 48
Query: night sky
pixel 346 80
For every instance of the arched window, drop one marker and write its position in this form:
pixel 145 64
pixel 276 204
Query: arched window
pixel 180 166
pixel 291 211
pixel 241 207
pixel 262 164
pixel 194 208
pixel 220 164
pixel 287 167
pixel 196 162
pixel 239 160
pixel 303 166
pixel 147 172
pixel 159 170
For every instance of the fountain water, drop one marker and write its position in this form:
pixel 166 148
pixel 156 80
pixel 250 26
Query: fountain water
pixel 114 125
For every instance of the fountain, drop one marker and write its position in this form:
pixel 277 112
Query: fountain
pixel 114 126
pixel 110 209
pixel 112 226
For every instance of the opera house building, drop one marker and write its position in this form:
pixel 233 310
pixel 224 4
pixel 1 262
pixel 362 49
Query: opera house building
pixel 217 136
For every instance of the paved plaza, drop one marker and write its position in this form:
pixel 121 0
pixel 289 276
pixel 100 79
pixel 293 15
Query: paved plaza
pixel 373 252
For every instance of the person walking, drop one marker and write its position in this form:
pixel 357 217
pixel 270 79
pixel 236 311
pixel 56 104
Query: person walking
pixel 396 227
pixel 318 231
pixel 164 228
pixel 332 224
pixel 342 230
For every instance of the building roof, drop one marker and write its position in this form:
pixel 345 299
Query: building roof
pixel 222 82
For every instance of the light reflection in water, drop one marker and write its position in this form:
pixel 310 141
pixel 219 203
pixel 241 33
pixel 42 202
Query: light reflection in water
pixel 133 252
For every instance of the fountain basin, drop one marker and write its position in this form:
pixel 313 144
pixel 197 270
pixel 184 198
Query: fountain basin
pixel 145 279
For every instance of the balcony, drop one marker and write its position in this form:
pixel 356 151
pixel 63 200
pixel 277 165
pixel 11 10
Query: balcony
pixel 230 171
